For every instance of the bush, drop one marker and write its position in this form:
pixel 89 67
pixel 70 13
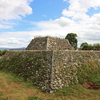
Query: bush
pixel 3 52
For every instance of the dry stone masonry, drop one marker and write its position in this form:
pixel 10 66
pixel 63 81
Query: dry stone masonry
pixel 48 66
pixel 49 43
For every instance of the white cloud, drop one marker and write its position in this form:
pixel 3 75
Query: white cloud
pixel 59 27
pixel 64 22
pixel 15 39
pixel 46 25
pixel 55 24
pixel 96 19
pixel 68 13
pixel 4 26
pixel 88 27
pixel 75 19
pixel 83 5
pixel 78 9
pixel 13 9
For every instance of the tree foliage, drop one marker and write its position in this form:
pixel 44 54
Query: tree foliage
pixel 86 46
pixel 72 39
pixel 3 52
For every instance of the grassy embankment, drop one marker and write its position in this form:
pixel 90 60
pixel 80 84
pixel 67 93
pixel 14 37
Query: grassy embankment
pixel 15 88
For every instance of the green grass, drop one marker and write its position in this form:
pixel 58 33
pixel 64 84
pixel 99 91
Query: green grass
pixel 89 72
pixel 36 98
pixel 12 87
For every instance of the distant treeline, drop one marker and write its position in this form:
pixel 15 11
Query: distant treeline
pixel 86 46
pixel 2 52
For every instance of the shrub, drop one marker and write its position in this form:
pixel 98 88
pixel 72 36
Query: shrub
pixel 3 52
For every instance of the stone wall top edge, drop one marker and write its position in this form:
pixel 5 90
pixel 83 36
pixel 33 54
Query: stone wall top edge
pixel 77 50
pixel 46 37
pixel 55 50
pixel 28 50
pixel 50 37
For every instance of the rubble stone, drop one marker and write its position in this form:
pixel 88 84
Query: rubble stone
pixel 48 62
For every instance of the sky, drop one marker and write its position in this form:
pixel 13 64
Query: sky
pixel 22 20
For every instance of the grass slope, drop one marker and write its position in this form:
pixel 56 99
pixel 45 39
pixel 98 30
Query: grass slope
pixel 14 88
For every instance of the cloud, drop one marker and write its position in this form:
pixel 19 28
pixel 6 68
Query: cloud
pixel 44 25
pixel 15 39
pixel 13 9
pixel 64 22
pixel 59 27
pixel 74 19
pixel 54 24
pixel 96 19
pixel 78 9
pixel 83 5
pixel 87 26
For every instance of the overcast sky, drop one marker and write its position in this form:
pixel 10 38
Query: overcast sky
pixel 22 20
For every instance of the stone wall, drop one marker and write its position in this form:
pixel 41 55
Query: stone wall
pixel 34 66
pixel 58 44
pixel 39 43
pixel 49 69
pixel 49 43
pixel 66 64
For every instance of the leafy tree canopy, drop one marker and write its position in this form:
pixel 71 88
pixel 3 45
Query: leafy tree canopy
pixel 86 46
pixel 72 39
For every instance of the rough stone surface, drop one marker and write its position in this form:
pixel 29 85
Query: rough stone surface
pixel 50 63
pixel 34 66
pixel 49 43
pixel 47 69
pixel 66 64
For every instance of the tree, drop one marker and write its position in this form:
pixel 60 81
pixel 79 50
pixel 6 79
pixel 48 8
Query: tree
pixel 72 39
pixel 96 46
pixel 3 52
pixel 84 46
